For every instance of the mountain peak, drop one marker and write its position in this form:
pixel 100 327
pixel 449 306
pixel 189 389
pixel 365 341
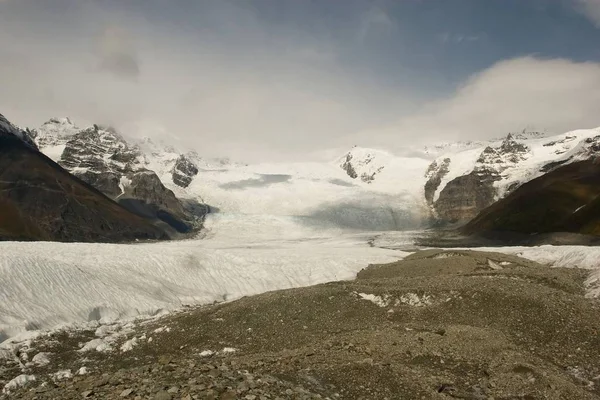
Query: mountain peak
pixel 59 121
pixel 9 129
pixel 510 145
pixel 55 131
pixel 364 162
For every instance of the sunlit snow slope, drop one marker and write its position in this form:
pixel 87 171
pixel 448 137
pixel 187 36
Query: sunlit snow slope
pixel 514 167
pixel 319 194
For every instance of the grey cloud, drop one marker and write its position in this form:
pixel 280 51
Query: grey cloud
pixel 375 21
pixel 255 96
pixel 263 180
pixel 117 54
pixel 262 97
pixel 590 9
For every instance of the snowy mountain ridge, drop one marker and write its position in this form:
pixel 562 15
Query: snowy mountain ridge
pixel 463 177
pixel 471 180
pixel 7 128
pixel 365 163
pixel 173 165
pixel 119 168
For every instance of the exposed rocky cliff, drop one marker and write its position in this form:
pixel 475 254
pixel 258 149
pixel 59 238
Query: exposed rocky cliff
pixel 434 175
pixel 459 186
pixel 563 200
pixel 39 200
pixel 103 158
pixel 184 171
pixel 464 197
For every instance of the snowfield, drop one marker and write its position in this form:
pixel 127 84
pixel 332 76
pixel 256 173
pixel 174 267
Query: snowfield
pixel 320 194
pixel 541 150
pixel 45 284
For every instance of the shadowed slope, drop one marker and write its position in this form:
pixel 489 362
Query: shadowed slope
pixel 563 200
pixel 39 200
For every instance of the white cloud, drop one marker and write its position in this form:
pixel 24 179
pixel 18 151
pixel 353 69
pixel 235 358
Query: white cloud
pixel 249 95
pixel 256 95
pixel 589 8
pixel 459 38
pixel 375 22
pixel 558 95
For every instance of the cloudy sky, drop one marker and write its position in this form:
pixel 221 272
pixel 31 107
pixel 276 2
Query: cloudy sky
pixel 281 79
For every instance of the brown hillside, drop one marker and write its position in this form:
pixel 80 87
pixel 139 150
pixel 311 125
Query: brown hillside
pixel 564 200
pixel 39 200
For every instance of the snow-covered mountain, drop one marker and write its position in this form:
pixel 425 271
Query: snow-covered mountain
pixel 318 193
pixel 119 168
pixel 460 184
pixel 367 188
pixel 8 129
pixel 466 177
pixel 41 201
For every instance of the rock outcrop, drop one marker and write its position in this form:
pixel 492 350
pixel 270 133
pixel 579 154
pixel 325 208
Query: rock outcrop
pixel 435 173
pixel 101 157
pixel 348 167
pixel 364 163
pixel 464 197
pixel 563 200
pixel 184 171
pixel 39 200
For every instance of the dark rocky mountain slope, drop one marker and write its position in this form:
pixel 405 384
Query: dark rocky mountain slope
pixel 39 200
pixel 566 199
pixel 103 158
pixel 462 184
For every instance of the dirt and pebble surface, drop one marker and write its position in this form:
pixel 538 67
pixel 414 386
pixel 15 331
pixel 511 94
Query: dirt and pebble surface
pixel 436 325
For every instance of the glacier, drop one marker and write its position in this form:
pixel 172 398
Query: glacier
pixel 47 285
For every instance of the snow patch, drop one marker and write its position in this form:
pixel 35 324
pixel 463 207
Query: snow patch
pixel 494 265
pixel 105 330
pixel 129 345
pixel 415 300
pixel 411 299
pixel 447 255
pixel 61 375
pixel 41 359
pixel 100 345
pixel 18 382
pixel 228 350
pixel 124 183
pixel 380 301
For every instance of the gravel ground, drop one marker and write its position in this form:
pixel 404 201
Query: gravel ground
pixel 436 325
